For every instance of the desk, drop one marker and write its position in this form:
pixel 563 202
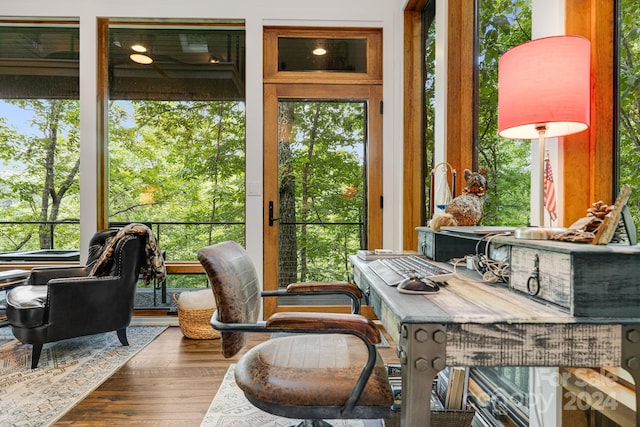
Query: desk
pixel 471 323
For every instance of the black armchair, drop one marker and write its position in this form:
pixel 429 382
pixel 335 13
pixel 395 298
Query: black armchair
pixel 65 302
pixel 325 367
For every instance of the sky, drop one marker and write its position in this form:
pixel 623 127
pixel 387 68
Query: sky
pixel 16 118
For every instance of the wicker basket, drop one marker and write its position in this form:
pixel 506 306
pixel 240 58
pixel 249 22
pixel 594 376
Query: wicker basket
pixel 195 323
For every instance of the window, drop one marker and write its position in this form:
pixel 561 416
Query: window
pixel 501 26
pixel 429 88
pixel 176 131
pixel 347 55
pixel 39 135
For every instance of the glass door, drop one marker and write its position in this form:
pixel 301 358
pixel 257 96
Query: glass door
pixel 323 197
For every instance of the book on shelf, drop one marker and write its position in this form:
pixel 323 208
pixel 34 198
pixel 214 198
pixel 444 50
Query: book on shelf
pixel 456 393
pixel 441 384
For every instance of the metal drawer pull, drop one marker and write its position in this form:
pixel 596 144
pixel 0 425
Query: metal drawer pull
pixel 533 283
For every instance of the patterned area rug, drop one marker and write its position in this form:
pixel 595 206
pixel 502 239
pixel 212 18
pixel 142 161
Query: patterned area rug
pixel 230 408
pixel 67 372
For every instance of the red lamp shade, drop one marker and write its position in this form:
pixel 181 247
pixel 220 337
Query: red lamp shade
pixel 544 82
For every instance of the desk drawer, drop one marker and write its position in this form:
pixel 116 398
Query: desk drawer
pixel 442 246
pixel 386 317
pixel 586 281
pixel 555 274
pixel 363 283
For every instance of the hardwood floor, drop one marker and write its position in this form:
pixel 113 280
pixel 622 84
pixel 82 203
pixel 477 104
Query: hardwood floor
pixel 171 382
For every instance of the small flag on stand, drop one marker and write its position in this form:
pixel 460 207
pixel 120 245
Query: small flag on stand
pixel 549 190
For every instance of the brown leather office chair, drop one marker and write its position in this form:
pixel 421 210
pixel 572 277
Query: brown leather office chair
pixel 328 368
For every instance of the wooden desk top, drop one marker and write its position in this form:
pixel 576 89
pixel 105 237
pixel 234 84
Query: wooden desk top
pixel 466 300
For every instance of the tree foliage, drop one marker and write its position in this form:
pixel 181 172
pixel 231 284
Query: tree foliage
pixel 179 162
pixel 45 184
pixel 629 102
pixel 322 187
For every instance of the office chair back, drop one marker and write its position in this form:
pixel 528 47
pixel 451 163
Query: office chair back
pixel 238 300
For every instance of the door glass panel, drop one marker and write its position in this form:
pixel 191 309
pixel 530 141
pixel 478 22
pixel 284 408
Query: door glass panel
pixel 322 54
pixel 322 188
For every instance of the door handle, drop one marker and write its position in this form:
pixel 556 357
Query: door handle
pixel 271 218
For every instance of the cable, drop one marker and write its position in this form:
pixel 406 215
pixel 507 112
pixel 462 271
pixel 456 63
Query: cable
pixel 492 271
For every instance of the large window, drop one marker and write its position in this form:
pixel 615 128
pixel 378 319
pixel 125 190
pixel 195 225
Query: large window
pixel 629 102
pixel 429 88
pixel 39 135
pixel 501 25
pixel 176 131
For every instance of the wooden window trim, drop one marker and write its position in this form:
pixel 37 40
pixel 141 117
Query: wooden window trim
pixel 374 64
pixel 102 163
pixel 459 109
pixel 273 92
pixel 593 151
pixel 413 147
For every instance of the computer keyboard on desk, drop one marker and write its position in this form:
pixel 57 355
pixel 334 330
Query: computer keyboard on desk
pixel 394 270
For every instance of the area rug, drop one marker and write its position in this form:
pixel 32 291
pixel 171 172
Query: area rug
pixel 67 372
pixel 230 408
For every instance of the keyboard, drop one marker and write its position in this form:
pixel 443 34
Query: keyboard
pixel 394 270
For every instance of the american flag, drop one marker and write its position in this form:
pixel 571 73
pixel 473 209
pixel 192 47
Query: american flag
pixel 549 190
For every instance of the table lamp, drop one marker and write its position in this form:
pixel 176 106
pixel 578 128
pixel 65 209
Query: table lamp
pixel 544 91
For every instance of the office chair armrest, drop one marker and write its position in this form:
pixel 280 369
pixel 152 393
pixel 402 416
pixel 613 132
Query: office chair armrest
pixel 321 288
pixel 325 323
pixel 326 287
pixel 42 275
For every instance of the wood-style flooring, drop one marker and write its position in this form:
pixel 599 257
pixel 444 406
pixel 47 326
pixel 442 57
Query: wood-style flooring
pixel 171 382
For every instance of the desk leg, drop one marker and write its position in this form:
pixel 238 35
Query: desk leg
pixel 631 359
pixel 422 353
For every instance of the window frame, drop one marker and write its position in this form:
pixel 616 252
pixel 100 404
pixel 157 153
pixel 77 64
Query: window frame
pixel 459 109
pixel 373 36
pixel 102 125
pixel 593 20
pixel 69 70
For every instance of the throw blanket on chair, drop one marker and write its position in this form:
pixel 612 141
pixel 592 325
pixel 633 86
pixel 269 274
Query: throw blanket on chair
pixel 153 267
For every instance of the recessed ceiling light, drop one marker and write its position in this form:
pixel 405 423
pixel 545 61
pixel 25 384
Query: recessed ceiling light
pixel 140 58
pixel 138 48
pixel 319 51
